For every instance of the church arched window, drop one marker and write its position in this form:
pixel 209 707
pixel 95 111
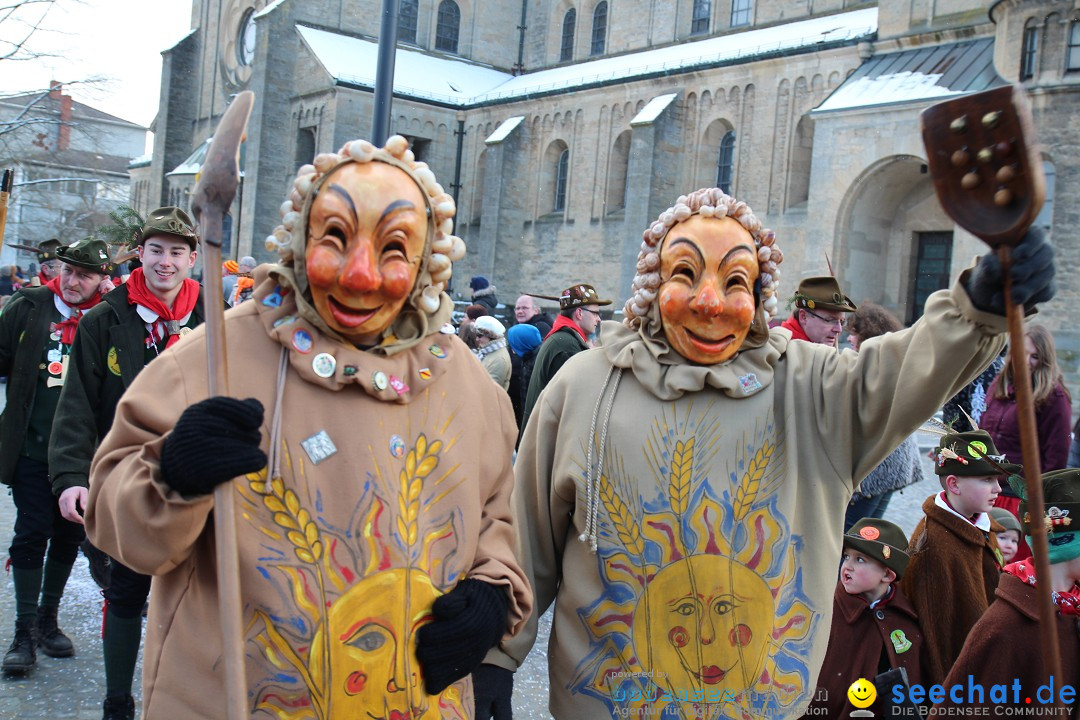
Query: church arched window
pixel 599 29
pixel 566 50
pixel 725 164
pixel 408 12
pixel 447 26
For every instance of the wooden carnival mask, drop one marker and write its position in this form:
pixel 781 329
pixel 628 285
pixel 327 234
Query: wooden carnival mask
pixel 365 241
pixel 708 267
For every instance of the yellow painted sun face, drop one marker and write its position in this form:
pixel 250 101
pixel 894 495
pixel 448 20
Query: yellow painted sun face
pixel 373 672
pixel 690 623
pixel 862 693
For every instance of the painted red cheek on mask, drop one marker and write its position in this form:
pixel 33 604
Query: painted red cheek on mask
pixel 355 683
pixel 678 636
pixel 323 266
pixel 740 636
pixel 397 280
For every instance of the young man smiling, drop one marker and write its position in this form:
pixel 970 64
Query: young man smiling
pixel 135 324
pixel 36 332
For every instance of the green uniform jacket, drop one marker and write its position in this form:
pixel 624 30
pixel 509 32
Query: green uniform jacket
pixel 559 347
pixel 24 328
pixel 107 354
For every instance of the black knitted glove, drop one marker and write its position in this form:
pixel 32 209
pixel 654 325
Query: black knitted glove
pixel 469 621
pixel 1032 271
pixel 493 688
pixel 214 441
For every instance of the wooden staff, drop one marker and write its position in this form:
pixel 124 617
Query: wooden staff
pixel 213 196
pixel 5 194
pixel 988 176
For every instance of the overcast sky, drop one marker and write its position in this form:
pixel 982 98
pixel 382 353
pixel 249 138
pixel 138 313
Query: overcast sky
pixel 119 41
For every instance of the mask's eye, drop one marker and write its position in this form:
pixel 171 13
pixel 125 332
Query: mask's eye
pixel 369 641
pixel 394 248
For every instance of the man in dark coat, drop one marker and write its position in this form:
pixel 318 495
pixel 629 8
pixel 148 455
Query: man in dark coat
pixel 136 323
pixel 579 316
pixel 527 310
pixel 1003 649
pixel 36 332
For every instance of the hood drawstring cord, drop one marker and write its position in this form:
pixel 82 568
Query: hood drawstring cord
pixel 591 491
pixel 273 469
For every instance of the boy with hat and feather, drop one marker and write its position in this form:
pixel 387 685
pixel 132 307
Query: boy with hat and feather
pixel 1003 646
pixel 874 627
pixel 955 560
pixel 36 332
pixel 132 327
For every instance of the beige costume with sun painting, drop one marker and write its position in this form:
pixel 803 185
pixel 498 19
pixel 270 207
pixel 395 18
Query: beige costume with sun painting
pixel 376 550
pixel 680 491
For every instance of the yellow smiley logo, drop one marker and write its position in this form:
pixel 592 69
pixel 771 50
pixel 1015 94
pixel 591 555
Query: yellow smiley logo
pixel 862 693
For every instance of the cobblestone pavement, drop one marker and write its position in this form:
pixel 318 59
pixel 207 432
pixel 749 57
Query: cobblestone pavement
pixel 74 687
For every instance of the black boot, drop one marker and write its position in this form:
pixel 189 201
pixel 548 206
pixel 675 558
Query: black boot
pixel 119 707
pixel 20 657
pixel 50 639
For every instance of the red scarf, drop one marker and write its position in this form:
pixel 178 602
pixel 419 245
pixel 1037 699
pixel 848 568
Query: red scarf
pixel 68 325
pixel 167 324
pixel 562 321
pixel 1068 603
pixel 792 324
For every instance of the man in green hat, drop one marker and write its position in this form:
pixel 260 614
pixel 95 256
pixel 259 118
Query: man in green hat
pixel 579 317
pixel 955 560
pixel 36 332
pixel 1003 648
pixel 819 311
pixel 156 306
pixel 48 263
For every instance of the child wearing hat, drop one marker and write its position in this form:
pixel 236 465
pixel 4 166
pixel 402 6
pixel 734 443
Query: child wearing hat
pixel 874 626
pixel 1009 538
pixel 1012 621
pixel 955 559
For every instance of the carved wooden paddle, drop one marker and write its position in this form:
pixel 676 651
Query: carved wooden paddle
pixel 988 176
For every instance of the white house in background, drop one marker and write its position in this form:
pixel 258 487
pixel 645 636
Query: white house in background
pixel 70 163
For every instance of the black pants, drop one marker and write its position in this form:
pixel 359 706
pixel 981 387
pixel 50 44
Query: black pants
pixel 38 522
pixel 127 591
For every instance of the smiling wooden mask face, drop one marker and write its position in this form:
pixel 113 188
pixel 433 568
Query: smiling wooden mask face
pixel 708 267
pixel 366 234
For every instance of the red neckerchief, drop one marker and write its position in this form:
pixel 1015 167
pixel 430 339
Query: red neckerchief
pixel 884 599
pixel 68 325
pixel 797 332
pixel 562 321
pixel 139 294
pixel 1068 603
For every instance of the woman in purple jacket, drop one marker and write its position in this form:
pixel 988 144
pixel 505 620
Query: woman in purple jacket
pixel 1053 415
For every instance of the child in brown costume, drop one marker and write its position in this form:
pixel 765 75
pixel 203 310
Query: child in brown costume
pixel 874 626
pixel 955 561
pixel 1013 619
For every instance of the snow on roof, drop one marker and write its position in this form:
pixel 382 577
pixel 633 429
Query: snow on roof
pixel 652 110
pixel 416 73
pixel 462 82
pixel 504 130
pixel 918 74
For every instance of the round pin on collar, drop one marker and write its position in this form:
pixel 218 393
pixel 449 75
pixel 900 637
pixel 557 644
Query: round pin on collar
pixel 324 365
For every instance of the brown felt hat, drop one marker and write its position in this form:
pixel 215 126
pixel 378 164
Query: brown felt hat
pixel 822 293
pixel 46 250
pixel 1061 504
pixel 89 254
pixel 969 454
pixel 578 296
pixel 169 221
pixel 882 540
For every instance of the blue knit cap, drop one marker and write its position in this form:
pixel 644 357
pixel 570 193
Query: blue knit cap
pixel 479 282
pixel 523 338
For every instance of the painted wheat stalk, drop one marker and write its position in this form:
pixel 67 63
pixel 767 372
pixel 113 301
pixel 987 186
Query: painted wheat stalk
pixel 419 463
pixel 299 528
pixel 682 466
pixel 626 527
pixel 751 480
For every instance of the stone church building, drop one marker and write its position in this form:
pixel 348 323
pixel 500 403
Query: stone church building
pixel 563 127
